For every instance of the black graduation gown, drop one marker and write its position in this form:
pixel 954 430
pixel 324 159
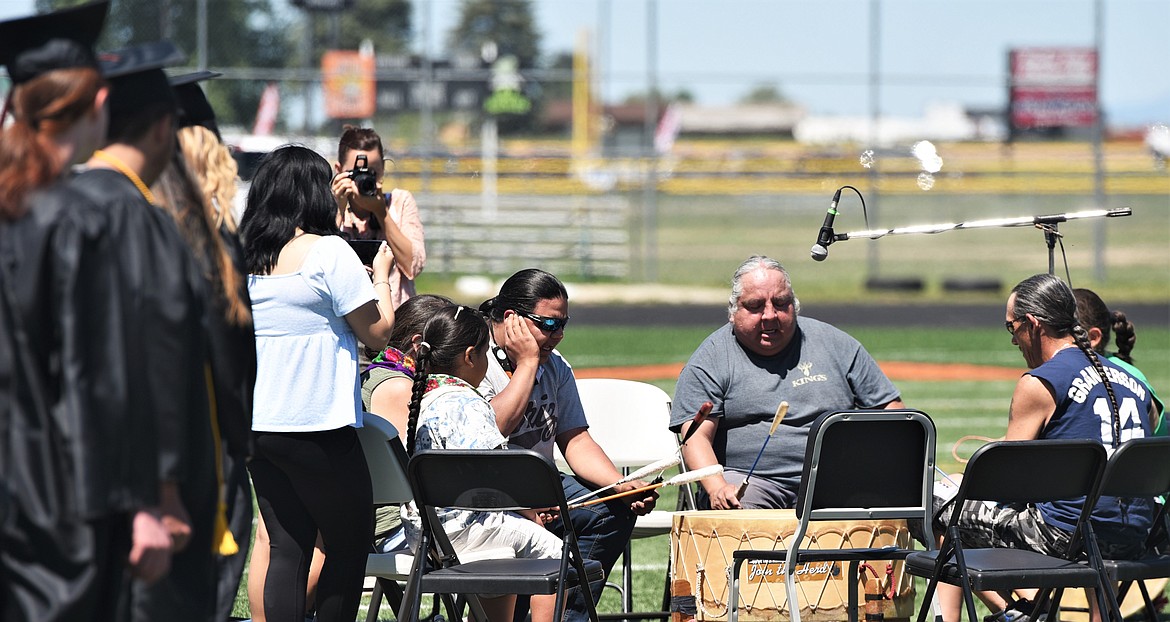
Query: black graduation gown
pixel 233 364
pixel 233 360
pixel 167 328
pixel 75 459
pixel 163 321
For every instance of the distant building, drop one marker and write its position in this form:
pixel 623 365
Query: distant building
pixel 623 126
pixel 940 122
pixel 741 119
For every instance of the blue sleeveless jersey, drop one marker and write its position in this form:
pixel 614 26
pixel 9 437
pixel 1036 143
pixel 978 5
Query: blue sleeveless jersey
pixel 1083 411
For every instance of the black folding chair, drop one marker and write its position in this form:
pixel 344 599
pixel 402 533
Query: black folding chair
pixel 386 459
pixel 1021 472
pixel 492 480
pixel 1140 468
pixel 858 465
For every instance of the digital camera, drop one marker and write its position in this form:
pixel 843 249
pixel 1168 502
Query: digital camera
pixel 364 178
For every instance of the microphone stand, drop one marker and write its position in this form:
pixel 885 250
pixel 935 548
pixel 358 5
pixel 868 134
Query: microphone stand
pixel 1050 235
pixel 1048 224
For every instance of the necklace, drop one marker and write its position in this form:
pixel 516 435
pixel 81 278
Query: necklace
pixel 122 168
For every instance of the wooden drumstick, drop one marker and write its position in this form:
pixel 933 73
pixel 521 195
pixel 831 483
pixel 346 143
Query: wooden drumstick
pixel 698 419
pixel 681 478
pixel 781 410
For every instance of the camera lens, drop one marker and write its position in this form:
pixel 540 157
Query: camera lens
pixel 366 184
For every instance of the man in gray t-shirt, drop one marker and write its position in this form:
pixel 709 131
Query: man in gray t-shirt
pixel 764 356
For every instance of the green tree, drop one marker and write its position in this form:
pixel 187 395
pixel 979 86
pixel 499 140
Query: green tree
pixel 508 24
pixel 554 89
pixel 386 23
pixel 241 33
pixel 764 94
pixel 682 95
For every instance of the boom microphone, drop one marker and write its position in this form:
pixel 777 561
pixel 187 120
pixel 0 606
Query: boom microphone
pixel 820 250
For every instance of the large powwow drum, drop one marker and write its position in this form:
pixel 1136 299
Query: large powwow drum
pixel 702 543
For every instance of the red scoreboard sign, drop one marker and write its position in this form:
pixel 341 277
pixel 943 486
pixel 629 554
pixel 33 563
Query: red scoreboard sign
pixel 1053 87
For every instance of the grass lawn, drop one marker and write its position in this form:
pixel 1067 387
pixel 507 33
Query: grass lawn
pixel 975 409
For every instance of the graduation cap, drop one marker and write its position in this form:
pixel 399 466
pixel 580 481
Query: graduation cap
pixel 136 76
pixel 196 109
pixel 31 46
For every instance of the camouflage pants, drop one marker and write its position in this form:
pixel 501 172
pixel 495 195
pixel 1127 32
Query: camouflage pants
pixel 987 525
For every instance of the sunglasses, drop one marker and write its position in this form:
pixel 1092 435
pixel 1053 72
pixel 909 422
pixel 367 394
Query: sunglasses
pixel 1010 325
pixel 548 324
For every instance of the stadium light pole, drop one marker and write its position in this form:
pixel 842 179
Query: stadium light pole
pixel 650 109
pixel 426 114
pixel 875 118
pixel 1098 147
pixel 201 33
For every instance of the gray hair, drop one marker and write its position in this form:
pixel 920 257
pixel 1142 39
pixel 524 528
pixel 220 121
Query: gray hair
pixel 749 265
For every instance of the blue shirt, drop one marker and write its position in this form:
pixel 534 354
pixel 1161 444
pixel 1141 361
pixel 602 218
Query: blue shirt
pixel 1083 411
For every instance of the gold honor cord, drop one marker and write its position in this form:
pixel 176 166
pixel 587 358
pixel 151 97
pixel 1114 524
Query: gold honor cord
pixel 222 541
pixel 121 167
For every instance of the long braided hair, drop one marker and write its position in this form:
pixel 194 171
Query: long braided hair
pixel 1054 305
pixel 1093 313
pixel 1124 335
pixel 445 337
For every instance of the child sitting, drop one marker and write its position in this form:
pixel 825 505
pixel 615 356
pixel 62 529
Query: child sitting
pixel 446 412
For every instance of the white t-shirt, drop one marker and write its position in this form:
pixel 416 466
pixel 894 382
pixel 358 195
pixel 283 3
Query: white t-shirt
pixel 554 406
pixel 307 358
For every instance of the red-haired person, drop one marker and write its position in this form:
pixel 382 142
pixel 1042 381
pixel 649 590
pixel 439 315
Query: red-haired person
pixel 78 471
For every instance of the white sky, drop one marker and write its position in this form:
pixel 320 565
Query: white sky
pixel 817 52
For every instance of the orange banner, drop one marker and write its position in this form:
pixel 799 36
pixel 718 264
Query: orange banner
pixel 348 80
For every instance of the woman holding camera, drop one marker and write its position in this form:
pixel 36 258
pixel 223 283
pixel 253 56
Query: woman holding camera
pixel 311 302
pixel 366 212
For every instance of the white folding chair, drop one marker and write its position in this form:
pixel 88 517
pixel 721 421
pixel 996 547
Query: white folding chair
pixel 629 420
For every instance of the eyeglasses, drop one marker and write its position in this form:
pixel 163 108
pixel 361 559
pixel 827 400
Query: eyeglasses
pixel 1010 325
pixel 548 324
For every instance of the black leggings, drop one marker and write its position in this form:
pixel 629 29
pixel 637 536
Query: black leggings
pixel 308 482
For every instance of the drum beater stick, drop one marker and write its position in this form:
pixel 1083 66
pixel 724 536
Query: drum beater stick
pixel 699 418
pixel 657 466
pixel 781 410
pixel 653 467
pixel 681 478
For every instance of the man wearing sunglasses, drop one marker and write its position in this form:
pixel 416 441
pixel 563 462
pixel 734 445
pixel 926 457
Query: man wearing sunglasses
pixel 1068 392
pixel 764 355
pixel 534 395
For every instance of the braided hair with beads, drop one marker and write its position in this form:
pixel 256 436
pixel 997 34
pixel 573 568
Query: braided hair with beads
pixel 1052 302
pixel 444 338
